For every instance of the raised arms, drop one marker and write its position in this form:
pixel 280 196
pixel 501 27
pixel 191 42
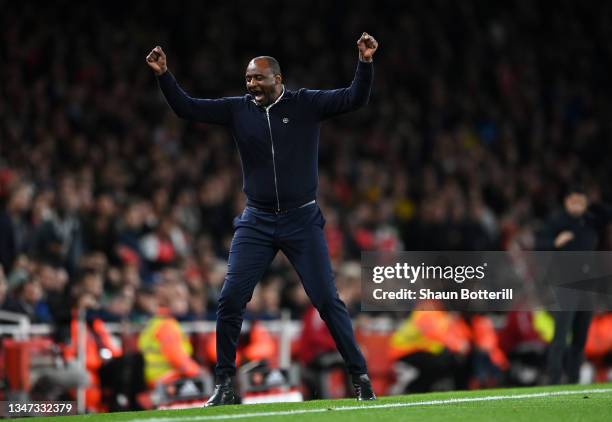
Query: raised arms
pixel 198 109
pixel 329 103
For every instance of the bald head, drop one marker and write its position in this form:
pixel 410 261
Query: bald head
pixel 271 62
pixel 264 80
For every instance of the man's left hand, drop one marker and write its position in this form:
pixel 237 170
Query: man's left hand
pixel 367 46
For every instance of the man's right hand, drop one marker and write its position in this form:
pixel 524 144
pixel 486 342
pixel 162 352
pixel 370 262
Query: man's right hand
pixel 563 238
pixel 157 61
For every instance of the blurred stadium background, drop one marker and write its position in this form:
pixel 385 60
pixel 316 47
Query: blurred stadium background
pixel 481 115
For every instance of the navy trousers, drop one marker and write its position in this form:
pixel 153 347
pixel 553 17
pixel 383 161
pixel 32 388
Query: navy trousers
pixel 258 236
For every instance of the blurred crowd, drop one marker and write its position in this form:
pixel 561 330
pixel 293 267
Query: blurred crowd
pixel 479 118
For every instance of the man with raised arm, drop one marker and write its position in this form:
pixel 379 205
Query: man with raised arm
pixel 277 134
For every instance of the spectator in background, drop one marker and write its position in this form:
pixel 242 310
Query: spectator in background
pixel 54 282
pixel 197 301
pixel 179 300
pixel 100 226
pixel 100 348
pixel 165 347
pixel 59 237
pixel 14 227
pixel 118 306
pixel 524 338
pixel 26 297
pixel 349 286
pixel 430 349
pixel 145 304
pixel 165 246
pixel 130 229
pixel 488 361
pixel 319 358
pixel 576 228
pixel 90 281
pixel 598 347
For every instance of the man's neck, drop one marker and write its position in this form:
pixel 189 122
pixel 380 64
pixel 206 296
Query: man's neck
pixel 277 96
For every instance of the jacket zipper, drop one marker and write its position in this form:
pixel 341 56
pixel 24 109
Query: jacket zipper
pixel 273 160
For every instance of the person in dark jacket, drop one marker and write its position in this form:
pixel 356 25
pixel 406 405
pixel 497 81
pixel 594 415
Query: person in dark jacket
pixel 576 228
pixel 277 135
pixel 14 228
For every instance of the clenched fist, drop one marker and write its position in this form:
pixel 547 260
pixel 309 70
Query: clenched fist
pixel 157 61
pixel 367 46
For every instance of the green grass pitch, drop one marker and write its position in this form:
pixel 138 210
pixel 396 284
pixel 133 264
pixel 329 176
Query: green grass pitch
pixel 540 404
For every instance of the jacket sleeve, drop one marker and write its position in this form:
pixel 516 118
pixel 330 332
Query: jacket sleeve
pixel 216 111
pixel 329 103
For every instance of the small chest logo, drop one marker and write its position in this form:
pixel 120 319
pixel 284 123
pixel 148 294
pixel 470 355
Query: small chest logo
pixel 285 120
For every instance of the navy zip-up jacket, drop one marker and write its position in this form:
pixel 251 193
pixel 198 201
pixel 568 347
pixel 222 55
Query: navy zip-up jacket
pixel 278 144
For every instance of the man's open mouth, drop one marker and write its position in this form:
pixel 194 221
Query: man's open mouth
pixel 258 95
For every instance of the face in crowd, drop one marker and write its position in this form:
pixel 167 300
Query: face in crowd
pixel 576 203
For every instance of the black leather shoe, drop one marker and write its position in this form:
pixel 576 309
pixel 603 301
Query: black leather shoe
pixel 363 388
pixel 224 394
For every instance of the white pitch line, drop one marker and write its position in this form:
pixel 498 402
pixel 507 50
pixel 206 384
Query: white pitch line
pixel 374 406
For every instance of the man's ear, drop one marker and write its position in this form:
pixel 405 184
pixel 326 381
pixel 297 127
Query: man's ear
pixel 278 79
